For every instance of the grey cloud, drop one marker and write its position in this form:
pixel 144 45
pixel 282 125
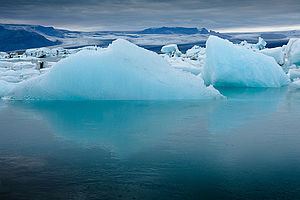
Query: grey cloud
pixel 137 14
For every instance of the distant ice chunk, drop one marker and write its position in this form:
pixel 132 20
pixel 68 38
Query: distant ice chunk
pixel 15 72
pixel 294 74
pixel 4 55
pixel 192 61
pixel 171 49
pixel 39 52
pixel 261 44
pixel 123 71
pixel 23 65
pixel 277 53
pixel 195 53
pixel 295 84
pixel 54 52
pixel 292 52
pixel 185 64
pixel 233 65
pixel 288 56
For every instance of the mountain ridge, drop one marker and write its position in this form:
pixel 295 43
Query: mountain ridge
pixel 174 30
pixel 11 40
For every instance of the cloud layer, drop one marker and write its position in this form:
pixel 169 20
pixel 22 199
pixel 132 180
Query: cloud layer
pixel 138 14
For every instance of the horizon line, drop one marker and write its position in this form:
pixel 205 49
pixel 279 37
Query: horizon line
pixel 221 30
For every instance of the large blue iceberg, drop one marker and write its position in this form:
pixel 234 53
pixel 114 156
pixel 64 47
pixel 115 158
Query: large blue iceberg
pixel 232 65
pixel 123 71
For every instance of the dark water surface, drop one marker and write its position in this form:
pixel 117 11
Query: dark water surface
pixel 245 147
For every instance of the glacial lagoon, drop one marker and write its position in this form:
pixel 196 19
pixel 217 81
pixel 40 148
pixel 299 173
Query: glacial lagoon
pixel 244 147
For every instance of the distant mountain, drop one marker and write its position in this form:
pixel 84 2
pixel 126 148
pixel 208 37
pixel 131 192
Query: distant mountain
pixel 21 39
pixel 24 36
pixel 169 30
pixel 181 30
pixel 203 31
pixel 43 30
pixel 50 31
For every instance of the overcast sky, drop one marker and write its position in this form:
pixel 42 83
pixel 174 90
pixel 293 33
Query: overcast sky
pixel 218 15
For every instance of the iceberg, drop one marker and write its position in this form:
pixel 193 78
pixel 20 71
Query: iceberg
pixel 295 84
pixel 261 44
pixel 4 55
pixel 12 73
pixel 294 74
pixel 39 52
pixel 17 71
pixel 288 56
pixel 277 53
pixel 122 71
pixel 292 52
pixel 171 50
pixel 233 65
pixel 192 61
pixel 196 53
pixel 187 65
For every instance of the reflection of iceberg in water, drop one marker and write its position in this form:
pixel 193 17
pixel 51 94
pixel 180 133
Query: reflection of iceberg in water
pixel 122 126
pixel 2 105
pixel 244 105
pixel 133 126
